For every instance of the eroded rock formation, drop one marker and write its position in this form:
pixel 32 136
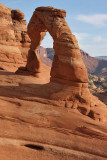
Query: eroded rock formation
pixel 14 41
pixel 67 63
pixel 68 68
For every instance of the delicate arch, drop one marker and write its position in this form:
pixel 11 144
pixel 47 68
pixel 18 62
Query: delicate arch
pixel 67 66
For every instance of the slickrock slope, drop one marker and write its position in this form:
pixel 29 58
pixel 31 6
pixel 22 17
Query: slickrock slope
pixel 14 41
pixel 34 127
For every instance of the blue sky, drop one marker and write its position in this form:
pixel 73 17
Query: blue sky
pixel 86 18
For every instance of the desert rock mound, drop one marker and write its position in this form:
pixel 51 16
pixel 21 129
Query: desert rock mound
pixel 34 127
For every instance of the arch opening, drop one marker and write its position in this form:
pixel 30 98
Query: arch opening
pixel 46 51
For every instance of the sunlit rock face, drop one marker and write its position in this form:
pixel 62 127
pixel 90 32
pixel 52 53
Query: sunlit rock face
pixel 14 40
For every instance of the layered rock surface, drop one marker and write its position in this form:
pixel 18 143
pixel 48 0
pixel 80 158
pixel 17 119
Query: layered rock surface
pixel 34 127
pixel 14 41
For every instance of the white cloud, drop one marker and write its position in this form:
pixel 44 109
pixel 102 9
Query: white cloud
pixel 95 19
pixel 95 49
pixel 95 45
pixel 81 36
pixel 97 39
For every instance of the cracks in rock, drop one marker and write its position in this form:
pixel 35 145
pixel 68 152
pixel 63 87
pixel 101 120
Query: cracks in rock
pixel 14 119
pixel 43 101
pixel 91 133
pixel 18 104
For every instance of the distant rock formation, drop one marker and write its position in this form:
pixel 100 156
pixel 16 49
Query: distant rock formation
pixel 42 52
pixel 93 65
pixel 14 41
pixel 68 69
pixel 101 57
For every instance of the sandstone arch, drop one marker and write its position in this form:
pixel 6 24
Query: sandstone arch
pixel 68 67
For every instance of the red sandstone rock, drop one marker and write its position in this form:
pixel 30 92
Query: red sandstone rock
pixel 67 63
pixel 14 41
pixel 17 15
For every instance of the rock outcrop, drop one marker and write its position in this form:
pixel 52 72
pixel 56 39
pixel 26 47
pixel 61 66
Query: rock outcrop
pixel 14 41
